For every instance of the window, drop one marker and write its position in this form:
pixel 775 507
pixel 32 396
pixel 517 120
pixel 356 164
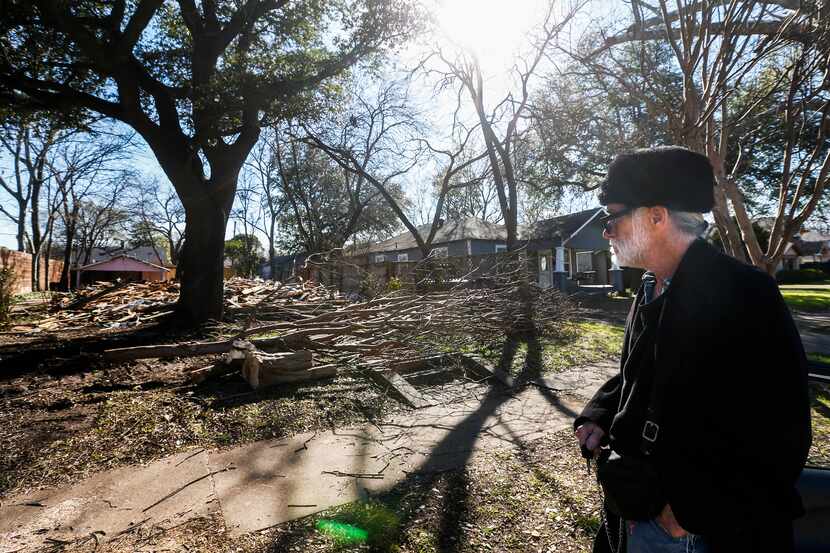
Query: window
pixel 380 258
pixel 584 262
pixel 440 252
pixel 501 248
pixel 403 257
pixel 567 265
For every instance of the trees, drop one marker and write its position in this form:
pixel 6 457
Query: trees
pixel 502 124
pixel 52 170
pixel 719 48
pixel 157 212
pixel 196 81
pixel 245 253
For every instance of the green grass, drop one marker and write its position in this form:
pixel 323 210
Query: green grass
pixel 807 299
pixel 820 400
pixel 583 343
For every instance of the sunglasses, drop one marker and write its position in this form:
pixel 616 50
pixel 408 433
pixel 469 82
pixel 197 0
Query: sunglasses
pixel 609 220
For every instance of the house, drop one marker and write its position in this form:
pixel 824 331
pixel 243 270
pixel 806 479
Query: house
pixel 571 246
pixel 122 267
pixel 584 255
pixel 285 267
pixel 150 254
pixel 805 247
pixel 467 236
pixel 120 262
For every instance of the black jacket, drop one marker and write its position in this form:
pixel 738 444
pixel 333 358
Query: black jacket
pixel 736 416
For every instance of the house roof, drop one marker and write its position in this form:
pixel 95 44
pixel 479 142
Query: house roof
pixel 808 248
pixel 563 226
pixel 144 253
pixel 124 263
pixel 814 236
pixel 467 228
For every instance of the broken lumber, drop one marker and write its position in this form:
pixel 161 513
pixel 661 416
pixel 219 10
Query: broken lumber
pixel 262 369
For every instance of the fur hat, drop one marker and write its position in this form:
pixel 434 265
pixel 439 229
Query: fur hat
pixel 671 176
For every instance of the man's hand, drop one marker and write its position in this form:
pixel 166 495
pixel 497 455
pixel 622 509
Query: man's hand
pixel 669 523
pixel 590 435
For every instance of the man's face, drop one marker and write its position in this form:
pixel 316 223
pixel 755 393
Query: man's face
pixel 628 235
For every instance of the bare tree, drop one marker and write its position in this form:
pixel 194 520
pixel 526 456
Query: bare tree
pixel 101 217
pixel 83 164
pixel 381 139
pixel 503 123
pixel 159 213
pixel 718 47
pixel 33 145
pixel 374 140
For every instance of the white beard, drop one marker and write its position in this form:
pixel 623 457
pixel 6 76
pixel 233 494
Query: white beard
pixel 630 252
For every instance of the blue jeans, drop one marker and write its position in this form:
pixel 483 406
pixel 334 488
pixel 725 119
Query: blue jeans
pixel 649 537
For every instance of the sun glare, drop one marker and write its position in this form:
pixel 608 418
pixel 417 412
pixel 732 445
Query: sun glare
pixel 492 29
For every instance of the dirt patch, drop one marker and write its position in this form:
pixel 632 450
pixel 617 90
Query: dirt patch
pixel 57 430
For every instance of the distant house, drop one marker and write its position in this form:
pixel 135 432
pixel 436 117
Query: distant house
pixel 575 243
pixel 156 256
pixel 467 236
pixel 121 267
pixel 143 263
pixel 805 247
pixel 576 238
pixel 285 267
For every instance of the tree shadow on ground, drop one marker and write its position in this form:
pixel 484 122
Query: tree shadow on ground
pixel 408 498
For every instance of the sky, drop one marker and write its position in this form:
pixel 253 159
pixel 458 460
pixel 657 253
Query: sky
pixel 495 30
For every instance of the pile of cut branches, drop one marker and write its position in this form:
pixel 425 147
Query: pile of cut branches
pixel 388 328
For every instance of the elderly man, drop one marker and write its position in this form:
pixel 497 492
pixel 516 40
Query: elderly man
pixel 708 421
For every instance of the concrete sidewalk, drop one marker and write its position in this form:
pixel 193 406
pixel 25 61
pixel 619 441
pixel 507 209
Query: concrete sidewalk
pixel 262 484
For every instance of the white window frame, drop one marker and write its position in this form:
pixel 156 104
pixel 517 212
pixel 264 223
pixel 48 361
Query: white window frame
pixel 380 258
pixel 441 251
pixel 579 268
pixel 501 248
pixel 403 257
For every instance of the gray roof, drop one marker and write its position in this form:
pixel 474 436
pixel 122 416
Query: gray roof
pixel 808 248
pixel 563 226
pixel 142 253
pixel 468 228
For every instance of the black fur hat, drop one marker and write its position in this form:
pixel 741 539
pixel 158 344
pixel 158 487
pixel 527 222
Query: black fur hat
pixel 671 176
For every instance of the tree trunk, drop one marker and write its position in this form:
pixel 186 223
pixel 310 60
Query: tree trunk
pixel 200 269
pixel 21 227
pixel 66 278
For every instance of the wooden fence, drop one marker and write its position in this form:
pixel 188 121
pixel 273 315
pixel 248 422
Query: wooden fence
pixel 21 264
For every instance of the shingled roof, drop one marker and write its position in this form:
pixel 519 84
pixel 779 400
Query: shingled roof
pixel 563 226
pixel 467 228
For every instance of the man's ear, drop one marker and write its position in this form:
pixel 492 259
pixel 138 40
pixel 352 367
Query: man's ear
pixel 658 215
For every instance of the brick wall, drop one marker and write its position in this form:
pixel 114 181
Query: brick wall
pixel 21 264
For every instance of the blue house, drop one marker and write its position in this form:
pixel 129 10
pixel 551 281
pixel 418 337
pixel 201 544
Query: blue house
pixel 570 244
pixel 468 236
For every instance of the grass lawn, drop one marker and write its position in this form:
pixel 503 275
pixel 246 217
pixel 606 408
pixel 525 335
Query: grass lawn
pixel 579 343
pixel 820 400
pixel 806 299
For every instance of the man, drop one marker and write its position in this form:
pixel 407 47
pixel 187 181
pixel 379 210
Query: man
pixel 732 401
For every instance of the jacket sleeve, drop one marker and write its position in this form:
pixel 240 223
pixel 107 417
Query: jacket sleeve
pixel 603 406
